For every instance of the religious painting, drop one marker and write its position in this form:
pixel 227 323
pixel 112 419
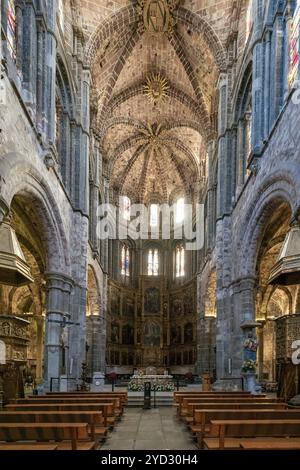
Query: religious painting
pixel 175 334
pixel 115 333
pixel 152 300
pixel 188 304
pixel 127 334
pixel 139 309
pixel 128 307
pixel 124 358
pixel 115 305
pixel 177 307
pixel 188 333
pixel 152 334
pixel 172 358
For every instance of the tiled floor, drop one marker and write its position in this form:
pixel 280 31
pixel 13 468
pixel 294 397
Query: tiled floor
pixel 155 429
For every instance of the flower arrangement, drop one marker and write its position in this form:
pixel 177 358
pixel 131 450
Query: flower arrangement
pixel 135 386
pixel 249 366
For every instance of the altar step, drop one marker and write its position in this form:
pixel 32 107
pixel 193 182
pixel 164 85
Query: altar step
pixel 160 400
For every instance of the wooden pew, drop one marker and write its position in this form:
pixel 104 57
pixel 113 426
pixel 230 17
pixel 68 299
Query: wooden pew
pixel 203 418
pixel 117 410
pixel 31 447
pixel 191 417
pixel 275 443
pixel 177 395
pixel 122 395
pixel 93 418
pixel 69 436
pixel 106 408
pixel 230 431
pixel 183 405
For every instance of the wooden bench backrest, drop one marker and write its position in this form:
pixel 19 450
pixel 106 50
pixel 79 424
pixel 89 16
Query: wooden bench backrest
pixel 90 417
pixel 43 432
pixel 204 417
pixel 21 401
pixel 257 428
pixel 106 408
pixel 273 406
pixel 178 398
pixel 217 398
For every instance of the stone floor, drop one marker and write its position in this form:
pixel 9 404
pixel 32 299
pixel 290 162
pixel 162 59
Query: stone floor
pixel 155 429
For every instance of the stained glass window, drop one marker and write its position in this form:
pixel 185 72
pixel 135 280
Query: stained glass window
pixel 11 29
pixel 125 207
pixel 179 210
pixel 154 215
pixel 125 261
pixel 153 262
pixel 294 48
pixel 179 261
pixel 249 20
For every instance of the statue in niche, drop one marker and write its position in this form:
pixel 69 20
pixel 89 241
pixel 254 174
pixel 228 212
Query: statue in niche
pixel 152 300
pixel 152 334
pixel 115 333
pixel 138 336
pixel 177 307
pixel 188 333
pixel 175 334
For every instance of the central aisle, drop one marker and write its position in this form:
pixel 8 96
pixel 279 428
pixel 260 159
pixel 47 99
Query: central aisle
pixel 153 429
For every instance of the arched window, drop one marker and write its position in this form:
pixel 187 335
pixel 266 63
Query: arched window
pixel 11 30
pixel 244 129
pixel 63 126
pixel 125 207
pixel 249 20
pixel 294 47
pixel 179 261
pixel 125 261
pixel 153 215
pixel 179 210
pixel 153 262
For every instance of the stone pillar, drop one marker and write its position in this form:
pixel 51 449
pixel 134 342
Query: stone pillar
pixel 276 78
pixel 222 146
pixel 288 16
pixel 260 358
pixel 39 347
pixel 40 110
pixel 267 84
pixel 210 194
pixel 58 297
pixel 50 65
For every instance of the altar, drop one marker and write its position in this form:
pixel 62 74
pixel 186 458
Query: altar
pixel 159 382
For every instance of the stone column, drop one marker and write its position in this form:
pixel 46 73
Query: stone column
pixel 98 351
pixel 260 358
pixel 39 347
pixel 288 16
pixel 50 65
pixel 267 84
pixel 58 296
pixel 210 194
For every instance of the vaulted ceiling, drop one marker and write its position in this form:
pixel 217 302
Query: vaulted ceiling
pixel 154 96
